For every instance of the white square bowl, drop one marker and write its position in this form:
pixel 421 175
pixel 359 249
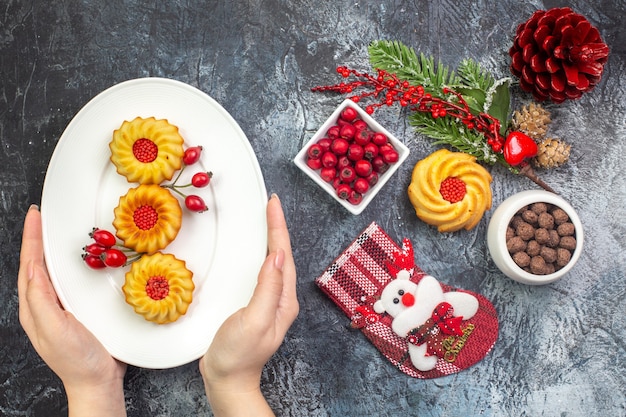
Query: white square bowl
pixel 301 158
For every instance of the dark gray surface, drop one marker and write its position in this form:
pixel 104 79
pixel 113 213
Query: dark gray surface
pixel 561 350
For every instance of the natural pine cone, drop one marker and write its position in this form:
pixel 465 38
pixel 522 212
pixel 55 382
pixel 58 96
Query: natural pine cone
pixel 557 54
pixel 551 153
pixel 532 120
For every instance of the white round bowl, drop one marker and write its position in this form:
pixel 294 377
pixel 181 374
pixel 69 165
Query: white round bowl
pixel 496 235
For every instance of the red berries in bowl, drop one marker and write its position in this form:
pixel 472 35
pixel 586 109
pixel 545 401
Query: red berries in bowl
pixel 351 156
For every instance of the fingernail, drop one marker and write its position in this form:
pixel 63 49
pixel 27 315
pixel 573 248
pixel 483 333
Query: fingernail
pixel 274 195
pixel 33 207
pixel 279 260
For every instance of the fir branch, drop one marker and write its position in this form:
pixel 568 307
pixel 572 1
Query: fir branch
pixel 397 58
pixel 474 76
pixel 446 131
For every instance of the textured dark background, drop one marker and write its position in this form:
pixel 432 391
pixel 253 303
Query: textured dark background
pixel 561 350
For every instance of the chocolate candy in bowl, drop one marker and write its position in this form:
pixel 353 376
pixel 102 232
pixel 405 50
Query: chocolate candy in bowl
pixel 535 237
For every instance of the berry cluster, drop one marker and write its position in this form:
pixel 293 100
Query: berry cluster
pixel 351 156
pixel 105 252
pixel 199 180
pixel 388 89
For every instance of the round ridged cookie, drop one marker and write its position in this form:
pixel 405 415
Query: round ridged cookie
pixel 159 287
pixel 450 190
pixel 147 151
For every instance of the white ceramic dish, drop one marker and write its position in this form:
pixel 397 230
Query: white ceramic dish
pixel 301 157
pixel 496 235
pixel 224 247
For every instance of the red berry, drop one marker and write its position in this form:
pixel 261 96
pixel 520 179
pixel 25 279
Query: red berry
pixel 195 203
pixel 363 168
pixel 328 174
pixel 192 155
pixel 349 114
pixel 379 138
pixel 391 156
pixel 344 191
pixel 329 159
pixel 94 249
pixel 360 125
pixel 385 148
pixel 355 152
pixel 103 237
pixel 336 182
pixel 201 179
pixel 343 161
pixel 314 151
pixel 314 163
pixel 361 185
pixel 333 132
pixel 347 174
pixel 94 261
pixel 370 151
pixel 324 143
pixel 379 165
pixel 347 132
pixel 362 137
pixel 372 178
pixel 113 258
pixel 355 197
pixel 339 146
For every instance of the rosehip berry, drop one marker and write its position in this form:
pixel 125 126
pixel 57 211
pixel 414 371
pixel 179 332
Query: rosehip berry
pixel 355 152
pixel 343 161
pixel 344 191
pixel 372 178
pixel 360 125
pixel 192 155
pixel 94 261
pixel 361 185
pixel 385 148
pixel 379 165
pixel 314 163
pixel 324 143
pixel 336 182
pixel 363 168
pixel 370 151
pixel 103 237
pixel 347 174
pixel 379 138
pixel 94 249
pixel 314 151
pixel 391 157
pixel 333 132
pixel 362 137
pixel 328 174
pixel 355 198
pixel 113 258
pixel 348 114
pixel 329 159
pixel 195 203
pixel 201 179
pixel 339 146
pixel 347 132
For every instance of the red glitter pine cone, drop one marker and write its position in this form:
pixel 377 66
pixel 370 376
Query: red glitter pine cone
pixel 557 54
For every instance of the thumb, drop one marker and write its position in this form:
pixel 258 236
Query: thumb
pixel 269 289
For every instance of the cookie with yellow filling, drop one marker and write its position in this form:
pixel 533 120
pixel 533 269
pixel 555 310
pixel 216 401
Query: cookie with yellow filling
pixel 159 287
pixel 147 218
pixel 450 190
pixel 147 151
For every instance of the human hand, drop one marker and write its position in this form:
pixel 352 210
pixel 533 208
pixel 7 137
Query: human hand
pixel 93 380
pixel 231 368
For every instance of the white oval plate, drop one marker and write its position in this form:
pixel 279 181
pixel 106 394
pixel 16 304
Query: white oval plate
pixel 224 247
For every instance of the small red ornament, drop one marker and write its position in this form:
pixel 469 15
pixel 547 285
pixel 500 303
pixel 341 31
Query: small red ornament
pixel 518 147
pixel 557 54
